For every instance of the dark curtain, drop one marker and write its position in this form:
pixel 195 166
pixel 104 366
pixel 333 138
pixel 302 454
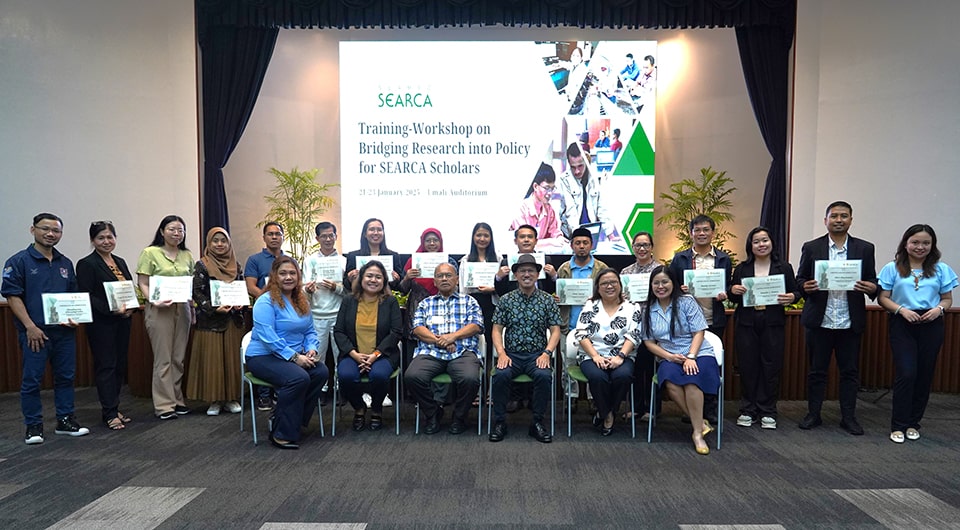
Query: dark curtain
pixel 765 56
pixel 234 63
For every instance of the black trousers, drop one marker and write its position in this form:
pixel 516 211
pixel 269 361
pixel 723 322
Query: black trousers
pixel 523 363
pixel 109 340
pixel 760 360
pixel 915 349
pixel 464 372
pixel 821 343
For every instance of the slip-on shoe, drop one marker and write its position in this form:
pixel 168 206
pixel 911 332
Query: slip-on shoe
pixel 851 426
pixel 284 445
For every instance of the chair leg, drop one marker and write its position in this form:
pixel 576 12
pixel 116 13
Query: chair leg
pixel 320 417
pixel 653 397
pixel 633 415
pixel 396 405
pixel 416 425
pixel 569 414
pixel 333 414
pixel 253 415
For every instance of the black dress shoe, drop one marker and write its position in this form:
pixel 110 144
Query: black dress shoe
pixel 851 426
pixel 499 431
pixel 376 422
pixel 457 427
pixel 359 422
pixel 538 431
pixel 810 421
pixel 433 426
pixel 284 445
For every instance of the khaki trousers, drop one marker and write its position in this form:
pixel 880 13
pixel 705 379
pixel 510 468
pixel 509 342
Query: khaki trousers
pixel 169 331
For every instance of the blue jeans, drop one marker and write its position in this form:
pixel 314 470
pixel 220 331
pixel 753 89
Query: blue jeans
pixel 379 374
pixel 61 350
pixel 298 390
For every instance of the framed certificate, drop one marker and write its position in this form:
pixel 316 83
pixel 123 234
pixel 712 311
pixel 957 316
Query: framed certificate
pixel 636 287
pixel 705 283
pixel 763 290
pixel 174 288
pixel 61 308
pixel 386 261
pixel 121 295
pixel 837 275
pixel 574 291
pixel 539 257
pixel 426 262
pixel 319 268
pixel 228 293
pixel 479 274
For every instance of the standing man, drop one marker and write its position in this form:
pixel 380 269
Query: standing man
pixel 579 191
pixel 39 269
pixel 703 255
pixel 834 320
pixel 447 325
pixel 581 265
pixel 325 294
pixel 255 273
pixel 526 314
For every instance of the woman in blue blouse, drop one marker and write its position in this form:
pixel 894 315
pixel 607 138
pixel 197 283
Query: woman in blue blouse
pixel 283 351
pixel 673 330
pixel 606 333
pixel 916 289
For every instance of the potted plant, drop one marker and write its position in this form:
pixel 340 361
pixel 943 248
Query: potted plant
pixel 297 202
pixel 708 195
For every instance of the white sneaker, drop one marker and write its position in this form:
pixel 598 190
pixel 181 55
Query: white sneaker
pixel 745 421
pixel 326 388
pixel 767 422
pixel 913 434
pixel 387 402
pixel 214 409
pixel 232 407
pixel 367 400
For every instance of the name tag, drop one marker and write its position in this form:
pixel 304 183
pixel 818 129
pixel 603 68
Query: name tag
pixel 437 320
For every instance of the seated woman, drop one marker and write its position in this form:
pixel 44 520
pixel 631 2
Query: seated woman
pixel 674 331
pixel 607 334
pixel 368 333
pixel 283 351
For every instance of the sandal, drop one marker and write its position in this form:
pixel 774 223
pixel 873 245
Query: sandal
pixel 360 421
pixel 123 418
pixel 115 424
pixel 376 422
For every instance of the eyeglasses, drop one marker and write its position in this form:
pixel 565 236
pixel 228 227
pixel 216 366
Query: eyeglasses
pixel 547 188
pixel 48 229
pixel 609 284
pixel 444 275
pixel 326 237
pixel 642 246
pixel 431 240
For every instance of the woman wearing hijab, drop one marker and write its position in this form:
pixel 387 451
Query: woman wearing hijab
pixel 215 355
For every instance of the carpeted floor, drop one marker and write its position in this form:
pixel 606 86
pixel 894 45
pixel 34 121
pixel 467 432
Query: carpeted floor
pixel 201 472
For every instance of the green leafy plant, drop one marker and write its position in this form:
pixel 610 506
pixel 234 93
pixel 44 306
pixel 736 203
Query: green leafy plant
pixel 707 195
pixel 297 202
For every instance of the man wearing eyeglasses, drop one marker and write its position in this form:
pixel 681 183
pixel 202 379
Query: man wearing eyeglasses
pixel 447 326
pixel 27 275
pixel 325 293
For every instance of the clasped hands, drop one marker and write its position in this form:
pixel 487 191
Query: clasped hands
pixel 607 363
pixel 364 360
pixel 306 360
pixel 913 317
pixel 446 341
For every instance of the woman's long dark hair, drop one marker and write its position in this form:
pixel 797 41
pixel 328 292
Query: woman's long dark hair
pixel 158 236
pixel 902 259
pixel 774 257
pixel 358 285
pixel 490 254
pixel 365 245
pixel 675 295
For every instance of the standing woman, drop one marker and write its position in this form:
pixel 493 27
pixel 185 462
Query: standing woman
pixel 418 288
pixel 283 352
pixel 759 337
pixel 214 356
pixel 916 289
pixel 109 333
pixel 645 361
pixel 607 335
pixel 167 323
pixel 368 332
pixel 674 331
pixel 482 250
pixel 373 242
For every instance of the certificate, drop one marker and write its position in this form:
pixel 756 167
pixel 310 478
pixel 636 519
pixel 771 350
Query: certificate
pixel 386 261
pixel 174 288
pixel 121 295
pixel 636 286
pixel 228 293
pixel 426 262
pixel 61 308
pixel 321 268
pixel 574 291
pixel 479 273
pixel 837 275
pixel 540 258
pixel 705 283
pixel 763 290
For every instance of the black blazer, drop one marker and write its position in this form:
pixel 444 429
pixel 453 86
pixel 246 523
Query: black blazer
pixel 92 271
pixel 389 328
pixel 815 303
pixel 683 260
pixel 774 315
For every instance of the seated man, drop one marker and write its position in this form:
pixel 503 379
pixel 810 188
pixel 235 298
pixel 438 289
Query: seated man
pixel 447 325
pixel 526 313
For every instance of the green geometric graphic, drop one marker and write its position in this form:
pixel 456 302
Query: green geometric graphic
pixel 637 156
pixel 640 220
